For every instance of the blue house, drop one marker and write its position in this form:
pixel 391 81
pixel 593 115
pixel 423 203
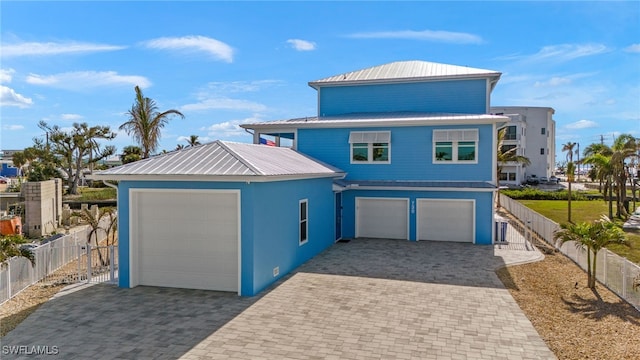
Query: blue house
pixel 417 146
pixel 8 170
pixel 399 151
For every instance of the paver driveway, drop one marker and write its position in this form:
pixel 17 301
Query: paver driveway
pixel 366 299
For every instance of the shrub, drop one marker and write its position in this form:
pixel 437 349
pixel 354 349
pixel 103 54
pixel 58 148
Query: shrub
pixel 537 194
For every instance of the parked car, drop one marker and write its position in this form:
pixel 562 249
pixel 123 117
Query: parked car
pixel 4 180
pixel 544 180
pixel 553 180
pixel 532 180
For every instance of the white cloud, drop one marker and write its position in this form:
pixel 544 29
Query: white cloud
pixel 428 35
pixel 581 124
pixel 554 81
pixel 8 97
pixel 302 45
pixel 221 88
pixel 6 75
pixel 222 103
pixel 12 127
pixel 53 48
pixel 633 48
pixel 230 129
pixel 71 117
pixel 564 52
pixel 87 79
pixel 215 48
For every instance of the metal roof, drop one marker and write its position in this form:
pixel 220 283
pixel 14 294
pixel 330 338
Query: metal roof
pixel 406 71
pixel 379 119
pixel 223 159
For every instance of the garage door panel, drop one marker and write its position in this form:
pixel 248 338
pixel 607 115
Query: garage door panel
pixel 382 218
pixel 194 279
pixel 445 220
pixel 188 239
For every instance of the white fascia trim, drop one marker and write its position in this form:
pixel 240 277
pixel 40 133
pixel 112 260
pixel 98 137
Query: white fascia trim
pixel 490 76
pixel 413 188
pixel 380 123
pixel 215 178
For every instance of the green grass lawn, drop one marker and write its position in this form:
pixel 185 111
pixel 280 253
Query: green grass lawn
pixel 556 210
pixel 89 194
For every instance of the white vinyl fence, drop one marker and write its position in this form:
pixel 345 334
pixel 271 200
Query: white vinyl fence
pixel 614 271
pixel 68 259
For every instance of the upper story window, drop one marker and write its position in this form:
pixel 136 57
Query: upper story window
pixel 541 151
pixel 455 146
pixel 510 133
pixel 543 131
pixel 370 147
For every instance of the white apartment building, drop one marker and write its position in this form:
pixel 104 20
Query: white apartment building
pixel 532 132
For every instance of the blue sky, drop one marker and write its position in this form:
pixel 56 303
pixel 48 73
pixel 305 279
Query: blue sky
pixel 225 63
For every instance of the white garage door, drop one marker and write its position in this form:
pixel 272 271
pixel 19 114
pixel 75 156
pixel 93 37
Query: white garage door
pixel 382 218
pixel 446 220
pixel 185 238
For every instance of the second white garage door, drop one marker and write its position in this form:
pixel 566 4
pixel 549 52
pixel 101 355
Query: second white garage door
pixel 382 218
pixel 446 220
pixel 185 238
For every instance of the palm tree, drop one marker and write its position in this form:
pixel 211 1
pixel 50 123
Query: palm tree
pixel 602 164
pixel 146 122
pixel 591 150
pixel 505 155
pixel 624 147
pixel 131 154
pixel 593 237
pixel 11 246
pixel 193 141
pixel 569 148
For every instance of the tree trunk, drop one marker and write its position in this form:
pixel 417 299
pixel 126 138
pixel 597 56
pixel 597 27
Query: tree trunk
pixel 592 279
pixel 569 203
pixel 610 198
pixel 589 274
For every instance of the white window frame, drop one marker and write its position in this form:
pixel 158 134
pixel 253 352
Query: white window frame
pixel 303 222
pixel 369 138
pixel 455 137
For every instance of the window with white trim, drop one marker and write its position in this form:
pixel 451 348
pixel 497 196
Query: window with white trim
pixel 455 146
pixel 370 147
pixel 303 215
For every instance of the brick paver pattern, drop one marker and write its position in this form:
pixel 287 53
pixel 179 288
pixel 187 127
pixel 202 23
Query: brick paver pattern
pixel 365 299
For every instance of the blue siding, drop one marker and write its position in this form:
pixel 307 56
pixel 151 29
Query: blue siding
pixel 9 171
pixel 459 96
pixel 411 154
pixel 269 225
pixel 484 206
pixel 275 229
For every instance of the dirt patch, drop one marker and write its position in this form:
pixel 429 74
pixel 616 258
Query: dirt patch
pixel 575 321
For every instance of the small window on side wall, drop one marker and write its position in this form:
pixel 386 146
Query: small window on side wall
pixel 303 218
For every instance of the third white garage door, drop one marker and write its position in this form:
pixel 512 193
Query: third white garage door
pixel 446 220
pixel 382 218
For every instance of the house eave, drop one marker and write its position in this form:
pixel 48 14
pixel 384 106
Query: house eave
pixel 376 123
pixel 493 77
pixel 212 178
